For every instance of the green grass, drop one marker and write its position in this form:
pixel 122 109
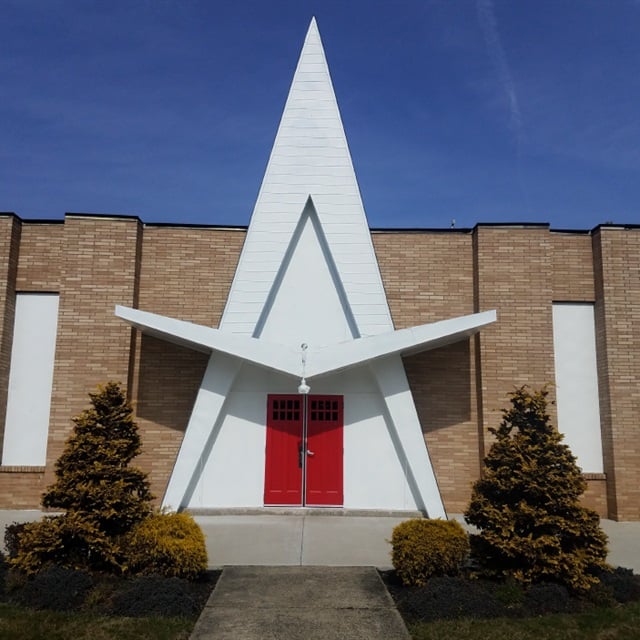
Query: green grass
pixel 17 623
pixel 616 623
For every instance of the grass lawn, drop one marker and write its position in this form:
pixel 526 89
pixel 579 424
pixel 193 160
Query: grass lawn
pixel 615 623
pixel 17 623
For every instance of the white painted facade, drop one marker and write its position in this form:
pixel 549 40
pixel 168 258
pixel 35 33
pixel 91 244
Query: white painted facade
pixel 231 474
pixel 30 380
pixel 308 275
pixel 577 398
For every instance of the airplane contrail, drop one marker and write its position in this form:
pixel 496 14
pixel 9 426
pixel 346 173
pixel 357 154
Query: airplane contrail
pixel 487 20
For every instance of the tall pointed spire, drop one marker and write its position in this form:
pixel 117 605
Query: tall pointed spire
pixel 310 159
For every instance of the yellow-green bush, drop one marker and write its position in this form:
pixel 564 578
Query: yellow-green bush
pixel 70 540
pixel 526 506
pixel 422 548
pixel 167 544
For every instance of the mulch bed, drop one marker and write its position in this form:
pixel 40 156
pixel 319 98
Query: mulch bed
pixel 62 589
pixel 449 597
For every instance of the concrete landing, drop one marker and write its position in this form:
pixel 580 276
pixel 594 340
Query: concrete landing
pixel 313 540
pixel 300 603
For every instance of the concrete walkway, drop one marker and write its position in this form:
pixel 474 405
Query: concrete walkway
pixel 300 603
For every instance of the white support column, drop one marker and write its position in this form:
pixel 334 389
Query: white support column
pixel 394 387
pixel 216 384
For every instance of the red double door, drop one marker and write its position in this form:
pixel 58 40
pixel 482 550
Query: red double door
pixel 304 450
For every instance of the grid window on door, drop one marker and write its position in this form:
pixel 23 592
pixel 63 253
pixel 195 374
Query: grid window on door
pixel 324 410
pixel 285 409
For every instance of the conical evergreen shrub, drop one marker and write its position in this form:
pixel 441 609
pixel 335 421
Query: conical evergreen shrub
pixel 526 506
pixel 101 495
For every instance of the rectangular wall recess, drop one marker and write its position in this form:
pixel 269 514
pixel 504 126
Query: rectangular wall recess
pixel 30 380
pixel 578 404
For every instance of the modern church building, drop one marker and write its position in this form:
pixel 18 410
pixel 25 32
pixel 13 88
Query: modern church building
pixel 307 361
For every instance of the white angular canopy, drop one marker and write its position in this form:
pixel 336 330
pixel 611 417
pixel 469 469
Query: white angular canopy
pixel 285 359
pixel 308 274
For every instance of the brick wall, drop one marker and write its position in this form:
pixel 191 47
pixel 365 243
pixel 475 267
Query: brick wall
pixel 185 274
pixel 617 284
pixel 572 267
pixel 429 277
pixel 99 269
pixel 10 229
pixel 98 262
pixel 41 256
pixel 514 276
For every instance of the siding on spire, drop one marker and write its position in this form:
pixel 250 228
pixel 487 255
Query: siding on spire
pixel 310 158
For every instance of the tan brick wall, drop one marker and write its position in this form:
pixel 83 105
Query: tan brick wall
pixel 595 496
pixel 99 270
pixel 185 273
pixel 428 277
pixel 169 379
pixel 443 385
pixel 10 229
pixel 514 276
pixel 41 256
pixel 617 278
pixel 572 267
pixel 21 487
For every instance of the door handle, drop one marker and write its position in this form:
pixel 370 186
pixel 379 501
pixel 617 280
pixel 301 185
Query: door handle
pixel 311 453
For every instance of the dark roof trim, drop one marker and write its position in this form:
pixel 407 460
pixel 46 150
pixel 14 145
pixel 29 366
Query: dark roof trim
pixel 408 230
pixel 229 227
pixel 11 214
pixel 421 230
pixel 522 225
pixel 611 225
pixel 120 216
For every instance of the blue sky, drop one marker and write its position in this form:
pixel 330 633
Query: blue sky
pixel 478 111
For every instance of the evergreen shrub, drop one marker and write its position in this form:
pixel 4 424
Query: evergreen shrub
pixel 101 494
pixel 12 538
pixel 532 527
pixel 69 541
pixel 422 548
pixel 93 475
pixel 167 544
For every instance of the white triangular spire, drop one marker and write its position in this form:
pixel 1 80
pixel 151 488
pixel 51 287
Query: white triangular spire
pixel 310 159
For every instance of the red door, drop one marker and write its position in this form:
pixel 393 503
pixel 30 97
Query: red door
pixel 293 470
pixel 324 451
pixel 283 469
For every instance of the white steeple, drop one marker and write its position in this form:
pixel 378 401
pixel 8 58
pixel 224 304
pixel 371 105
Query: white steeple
pixel 307 279
pixel 309 164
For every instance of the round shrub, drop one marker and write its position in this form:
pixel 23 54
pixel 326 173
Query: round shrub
pixel 167 544
pixel 422 548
